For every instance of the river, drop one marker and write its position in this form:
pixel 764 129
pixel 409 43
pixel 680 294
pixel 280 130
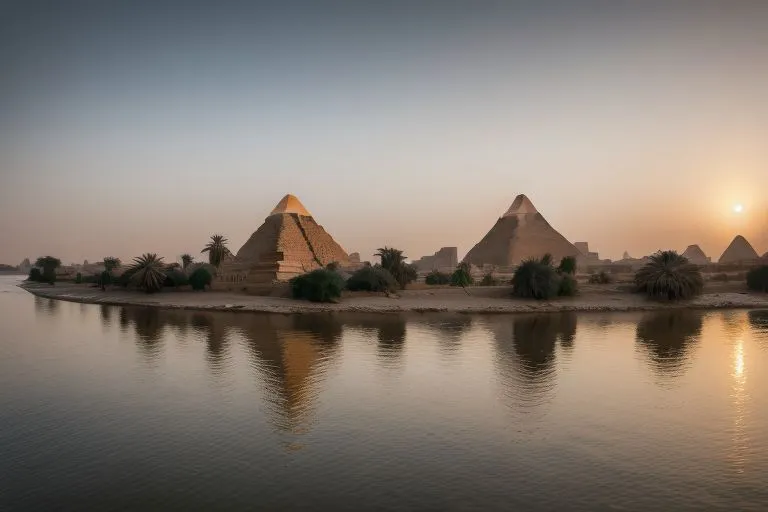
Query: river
pixel 109 408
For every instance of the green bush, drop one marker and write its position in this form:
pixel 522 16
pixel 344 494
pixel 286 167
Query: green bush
pixel 721 277
pixel 535 279
pixel 461 276
pixel 200 278
pixel 49 275
pixel 669 276
pixel 372 279
pixel 125 278
pixel 568 285
pixel 78 278
pixel 91 279
pixel 105 279
pixel 175 278
pixel 600 278
pixel 35 275
pixel 489 280
pixel 320 285
pixel 437 278
pixel 567 265
pixel 757 279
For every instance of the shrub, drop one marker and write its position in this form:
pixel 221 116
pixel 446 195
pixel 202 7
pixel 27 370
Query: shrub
pixel 200 278
pixel 320 285
pixel 35 275
pixel 49 275
pixel 568 286
pixel 79 278
pixel 489 280
pixel 461 276
pixel 600 278
pixel 669 276
pixel 175 278
pixel 125 278
pixel 332 266
pixel 437 278
pixel 721 277
pixel 757 279
pixel 567 265
pixel 535 279
pixel 372 279
pixel 105 279
pixel 147 272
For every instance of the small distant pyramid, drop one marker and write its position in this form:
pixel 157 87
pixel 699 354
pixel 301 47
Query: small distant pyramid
pixel 626 256
pixel 519 234
pixel 695 255
pixel 739 250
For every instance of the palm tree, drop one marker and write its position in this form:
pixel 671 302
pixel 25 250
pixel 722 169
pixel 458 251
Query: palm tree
pixel 669 276
pixel 217 250
pixel 111 263
pixel 147 272
pixel 186 260
pixel 391 258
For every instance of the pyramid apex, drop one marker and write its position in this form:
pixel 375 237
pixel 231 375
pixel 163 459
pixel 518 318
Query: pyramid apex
pixel 290 204
pixel 521 206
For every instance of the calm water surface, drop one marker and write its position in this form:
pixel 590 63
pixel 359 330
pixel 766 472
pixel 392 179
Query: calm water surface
pixel 107 408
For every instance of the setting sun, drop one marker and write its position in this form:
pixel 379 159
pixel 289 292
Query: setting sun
pixel 738 208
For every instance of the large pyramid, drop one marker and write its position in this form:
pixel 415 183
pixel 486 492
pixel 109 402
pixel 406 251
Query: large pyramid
pixel 521 233
pixel 739 250
pixel 288 243
pixel 695 255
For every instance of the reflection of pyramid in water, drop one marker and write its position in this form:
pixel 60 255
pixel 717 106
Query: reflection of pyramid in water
pixel 738 250
pixel 695 255
pixel 289 242
pixel 521 233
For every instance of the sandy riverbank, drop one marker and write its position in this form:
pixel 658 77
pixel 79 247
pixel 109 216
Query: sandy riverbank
pixel 482 300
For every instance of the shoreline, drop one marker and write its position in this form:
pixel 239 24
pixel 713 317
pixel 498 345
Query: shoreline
pixel 490 300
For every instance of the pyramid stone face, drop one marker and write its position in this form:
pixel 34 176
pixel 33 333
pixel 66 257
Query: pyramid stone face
pixel 288 243
pixel 521 233
pixel 739 250
pixel 695 255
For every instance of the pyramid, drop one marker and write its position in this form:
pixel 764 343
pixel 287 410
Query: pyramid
pixel 288 243
pixel 739 250
pixel 695 255
pixel 521 233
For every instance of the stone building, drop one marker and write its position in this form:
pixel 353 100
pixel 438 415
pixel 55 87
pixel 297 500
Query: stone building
pixel 447 258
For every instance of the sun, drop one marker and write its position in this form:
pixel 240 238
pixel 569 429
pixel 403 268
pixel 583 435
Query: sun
pixel 738 208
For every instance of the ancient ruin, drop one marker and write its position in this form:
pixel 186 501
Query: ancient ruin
pixel 587 258
pixel 738 251
pixel 696 255
pixel 521 233
pixel 287 244
pixel 446 259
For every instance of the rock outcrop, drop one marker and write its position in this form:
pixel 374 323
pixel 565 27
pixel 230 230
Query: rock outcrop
pixel 738 251
pixel 521 233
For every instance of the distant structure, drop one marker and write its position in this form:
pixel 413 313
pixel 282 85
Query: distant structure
pixel 586 258
pixel 521 233
pixel 25 266
pixel 626 256
pixel 447 258
pixel 288 243
pixel 696 256
pixel 738 251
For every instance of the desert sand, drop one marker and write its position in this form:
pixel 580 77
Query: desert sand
pixel 481 300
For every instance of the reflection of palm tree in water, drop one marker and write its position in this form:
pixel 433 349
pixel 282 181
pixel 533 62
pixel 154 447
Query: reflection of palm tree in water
pixel 105 313
pixel 390 331
pixel 449 329
pixel 213 329
pixel 48 307
pixel 525 355
pixel 291 354
pixel 148 326
pixel 666 336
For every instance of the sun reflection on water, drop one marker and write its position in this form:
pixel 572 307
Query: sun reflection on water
pixel 740 397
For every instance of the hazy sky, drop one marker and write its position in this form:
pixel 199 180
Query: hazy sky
pixel 148 127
